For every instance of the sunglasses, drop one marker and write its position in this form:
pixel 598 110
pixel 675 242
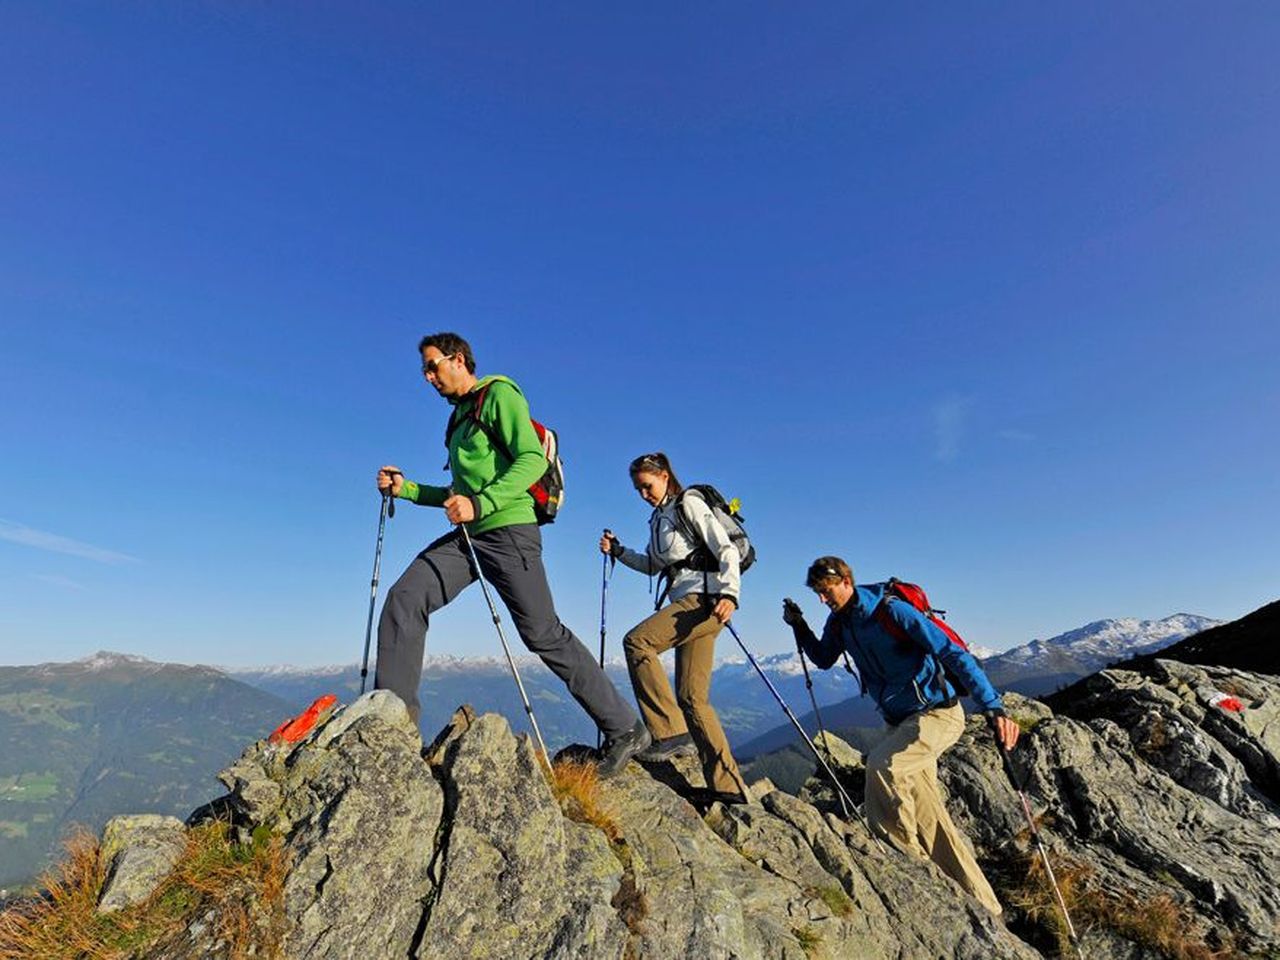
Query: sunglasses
pixel 431 366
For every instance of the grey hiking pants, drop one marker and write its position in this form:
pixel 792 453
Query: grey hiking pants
pixel 511 560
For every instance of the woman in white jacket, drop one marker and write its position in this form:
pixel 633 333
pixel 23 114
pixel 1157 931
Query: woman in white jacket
pixel 691 552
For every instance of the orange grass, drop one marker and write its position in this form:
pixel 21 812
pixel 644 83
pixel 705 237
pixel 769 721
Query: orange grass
pixel 576 786
pixel 1158 923
pixel 240 888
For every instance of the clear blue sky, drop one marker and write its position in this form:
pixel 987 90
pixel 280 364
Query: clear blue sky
pixel 983 296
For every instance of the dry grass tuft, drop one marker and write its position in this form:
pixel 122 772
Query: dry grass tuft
pixel 576 786
pixel 238 888
pixel 1158 923
pixel 809 940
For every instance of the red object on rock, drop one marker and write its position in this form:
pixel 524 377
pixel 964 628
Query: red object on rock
pixel 1226 702
pixel 295 728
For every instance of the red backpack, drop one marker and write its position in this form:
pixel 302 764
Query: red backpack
pixel 914 594
pixel 548 490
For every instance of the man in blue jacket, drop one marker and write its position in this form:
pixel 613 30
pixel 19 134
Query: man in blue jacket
pixel 900 657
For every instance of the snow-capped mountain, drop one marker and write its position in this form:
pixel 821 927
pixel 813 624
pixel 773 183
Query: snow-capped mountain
pixel 1035 668
pixel 1042 666
pixel 745 705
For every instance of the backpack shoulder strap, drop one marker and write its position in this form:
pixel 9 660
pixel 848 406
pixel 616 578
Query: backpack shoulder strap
pixel 886 621
pixel 682 517
pixel 473 413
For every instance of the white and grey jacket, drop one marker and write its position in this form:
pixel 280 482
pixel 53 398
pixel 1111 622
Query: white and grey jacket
pixel 671 541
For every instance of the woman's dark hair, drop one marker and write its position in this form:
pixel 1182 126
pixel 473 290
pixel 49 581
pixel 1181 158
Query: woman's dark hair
pixel 826 571
pixel 654 463
pixel 450 344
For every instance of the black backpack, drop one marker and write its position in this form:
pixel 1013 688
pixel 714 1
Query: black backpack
pixel 729 517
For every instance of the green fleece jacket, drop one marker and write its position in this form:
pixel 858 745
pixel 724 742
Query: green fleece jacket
pixel 495 476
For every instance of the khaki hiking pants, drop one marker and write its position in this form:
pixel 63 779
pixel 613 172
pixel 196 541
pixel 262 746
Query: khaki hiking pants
pixel 904 803
pixel 687 625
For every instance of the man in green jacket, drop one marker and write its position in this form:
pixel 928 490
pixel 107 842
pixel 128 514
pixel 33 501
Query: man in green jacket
pixel 494 456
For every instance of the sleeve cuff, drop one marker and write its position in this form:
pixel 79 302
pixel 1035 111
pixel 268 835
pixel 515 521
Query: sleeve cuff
pixel 408 491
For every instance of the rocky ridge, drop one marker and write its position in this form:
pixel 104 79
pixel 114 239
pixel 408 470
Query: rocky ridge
pixel 1160 807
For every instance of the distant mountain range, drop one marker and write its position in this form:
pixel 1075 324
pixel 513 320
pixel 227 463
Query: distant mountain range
pixel 1042 666
pixel 88 739
pixel 1033 669
pixel 744 703
pixel 110 733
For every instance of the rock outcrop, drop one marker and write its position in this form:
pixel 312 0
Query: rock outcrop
pixel 1160 807
pixel 139 852
pixel 462 850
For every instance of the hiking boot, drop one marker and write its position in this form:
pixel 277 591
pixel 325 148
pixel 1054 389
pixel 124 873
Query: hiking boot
pixel 618 750
pixel 668 748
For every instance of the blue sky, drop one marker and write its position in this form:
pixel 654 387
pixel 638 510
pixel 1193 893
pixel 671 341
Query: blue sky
pixel 983 296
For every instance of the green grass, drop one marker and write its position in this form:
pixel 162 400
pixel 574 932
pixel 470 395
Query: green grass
pixel 12 829
pixel 29 787
pixel 166 756
pixel 39 707
pixel 835 898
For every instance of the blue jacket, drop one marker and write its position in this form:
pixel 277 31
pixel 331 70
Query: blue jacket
pixel 904 678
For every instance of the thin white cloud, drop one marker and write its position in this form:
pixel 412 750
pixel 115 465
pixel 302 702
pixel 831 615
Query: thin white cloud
pixel 58 580
pixel 52 542
pixel 1017 436
pixel 949 421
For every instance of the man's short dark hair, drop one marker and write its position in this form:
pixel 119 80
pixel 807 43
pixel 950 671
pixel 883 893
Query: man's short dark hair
pixel 826 571
pixel 449 344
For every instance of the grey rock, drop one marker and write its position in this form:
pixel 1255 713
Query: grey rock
pixel 1148 790
pixel 140 852
pixel 1145 793
pixel 515 878
pixel 704 899
pixel 902 906
pixel 846 762
pixel 359 810
pixel 458 724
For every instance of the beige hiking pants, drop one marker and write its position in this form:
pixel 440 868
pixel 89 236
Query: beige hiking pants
pixel 904 802
pixel 687 625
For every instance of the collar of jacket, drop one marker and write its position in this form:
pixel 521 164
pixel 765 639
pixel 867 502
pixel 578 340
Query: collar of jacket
pixel 862 604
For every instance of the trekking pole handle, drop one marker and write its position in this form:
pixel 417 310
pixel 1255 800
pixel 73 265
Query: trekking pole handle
pixel 387 495
pixel 608 534
pixel 1006 756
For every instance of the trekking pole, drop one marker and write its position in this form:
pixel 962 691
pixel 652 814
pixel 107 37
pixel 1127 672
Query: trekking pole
pixel 808 683
pixel 1020 788
pixel 846 803
pixel 387 509
pixel 606 568
pixel 497 622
